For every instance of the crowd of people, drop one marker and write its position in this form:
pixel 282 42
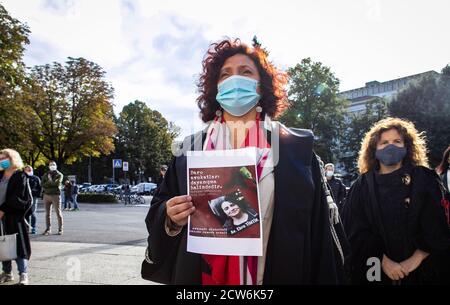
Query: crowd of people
pixel 315 231
pixel 20 191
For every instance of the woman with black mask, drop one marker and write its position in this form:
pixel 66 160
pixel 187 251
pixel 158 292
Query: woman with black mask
pixel 393 214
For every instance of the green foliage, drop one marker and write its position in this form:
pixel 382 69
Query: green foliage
pixel 446 70
pixel 96 198
pixel 144 139
pixel 356 127
pixel 315 105
pixel 70 111
pixel 427 104
pixel 13 38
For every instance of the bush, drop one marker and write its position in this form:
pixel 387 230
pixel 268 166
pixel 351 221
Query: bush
pixel 96 198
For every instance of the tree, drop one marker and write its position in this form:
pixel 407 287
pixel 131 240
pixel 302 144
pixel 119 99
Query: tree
pixel 427 104
pixel 446 70
pixel 13 38
pixel 144 140
pixel 314 104
pixel 356 127
pixel 70 110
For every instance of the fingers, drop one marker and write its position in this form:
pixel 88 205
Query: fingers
pixel 404 269
pixel 179 199
pixel 179 208
pixel 181 217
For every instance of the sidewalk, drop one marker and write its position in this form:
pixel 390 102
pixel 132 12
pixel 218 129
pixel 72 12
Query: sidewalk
pixel 61 263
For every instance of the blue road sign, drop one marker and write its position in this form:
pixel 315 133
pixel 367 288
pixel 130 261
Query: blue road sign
pixel 117 163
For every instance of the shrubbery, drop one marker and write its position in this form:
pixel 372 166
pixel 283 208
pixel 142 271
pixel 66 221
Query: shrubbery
pixel 96 198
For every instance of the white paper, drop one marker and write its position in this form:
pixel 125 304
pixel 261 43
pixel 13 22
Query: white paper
pixel 224 188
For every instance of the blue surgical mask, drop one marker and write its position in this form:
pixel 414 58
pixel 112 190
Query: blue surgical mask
pixel 237 94
pixel 391 154
pixel 5 164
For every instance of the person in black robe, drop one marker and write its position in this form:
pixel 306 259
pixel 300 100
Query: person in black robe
pixel 301 248
pixel 393 212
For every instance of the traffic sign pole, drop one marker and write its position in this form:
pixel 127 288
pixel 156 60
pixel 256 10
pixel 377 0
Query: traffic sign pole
pixel 114 171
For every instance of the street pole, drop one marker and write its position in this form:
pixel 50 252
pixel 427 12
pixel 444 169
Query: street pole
pixel 113 172
pixel 90 170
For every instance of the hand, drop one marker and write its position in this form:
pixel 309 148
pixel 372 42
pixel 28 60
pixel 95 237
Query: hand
pixel 179 208
pixel 393 270
pixel 414 261
pixel 1 214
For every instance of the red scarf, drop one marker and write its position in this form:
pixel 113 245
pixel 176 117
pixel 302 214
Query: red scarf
pixel 228 270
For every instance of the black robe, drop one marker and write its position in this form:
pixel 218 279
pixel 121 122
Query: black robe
pixel 394 215
pixel 300 248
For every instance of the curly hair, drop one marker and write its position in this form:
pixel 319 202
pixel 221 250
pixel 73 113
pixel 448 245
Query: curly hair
pixel 272 83
pixel 415 143
pixel 442 167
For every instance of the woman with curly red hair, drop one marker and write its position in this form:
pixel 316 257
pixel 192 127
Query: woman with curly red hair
pixel 393 211
pixel 240 93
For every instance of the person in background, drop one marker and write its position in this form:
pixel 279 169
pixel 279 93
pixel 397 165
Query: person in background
pixel 52 187
pixel 162 173
pixel 67 195
pixel 443 169
pixel 338 189
pixel 74 196
pixel 393 212
pixel 36 191
pixel 15 204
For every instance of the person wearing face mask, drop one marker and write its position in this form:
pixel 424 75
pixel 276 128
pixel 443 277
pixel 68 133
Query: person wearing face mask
pixel 338 189
pixel 241 92
pixel 443 169
pixel 52 186
pixel 36 190
pixel 15 204
pixel 393 211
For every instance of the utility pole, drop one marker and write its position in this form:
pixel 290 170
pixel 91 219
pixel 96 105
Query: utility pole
pixel 90 170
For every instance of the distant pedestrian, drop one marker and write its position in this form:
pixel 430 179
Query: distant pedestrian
pixel 162 174
pixel 36 191
pixel 67 195
pixel 443 170
pixel 338 188
pixel 75 190
pixel 52 187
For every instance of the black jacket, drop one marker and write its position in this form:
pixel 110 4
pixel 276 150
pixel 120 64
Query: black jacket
pixel 338 191
pixel 300 248
pixel 35 185
pixel 16 207
pixel 423 220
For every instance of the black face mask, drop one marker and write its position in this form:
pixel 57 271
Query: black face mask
pixel 390 155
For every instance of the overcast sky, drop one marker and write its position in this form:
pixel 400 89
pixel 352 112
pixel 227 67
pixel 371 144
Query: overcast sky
pixel 152 50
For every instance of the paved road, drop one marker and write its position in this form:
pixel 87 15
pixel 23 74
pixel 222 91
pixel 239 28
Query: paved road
pixel 102 244
pixel 98 223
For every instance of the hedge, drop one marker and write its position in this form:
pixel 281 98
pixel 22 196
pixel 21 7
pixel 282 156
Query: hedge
pixel 96 198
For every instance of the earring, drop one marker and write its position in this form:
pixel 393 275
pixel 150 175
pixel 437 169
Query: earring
pixel 259 109
pixel 218 113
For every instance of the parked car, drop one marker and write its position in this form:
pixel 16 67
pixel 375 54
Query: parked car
pixel 145 188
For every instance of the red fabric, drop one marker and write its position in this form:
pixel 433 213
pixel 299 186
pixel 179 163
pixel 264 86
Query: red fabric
pixel 225 270
pixel 446 205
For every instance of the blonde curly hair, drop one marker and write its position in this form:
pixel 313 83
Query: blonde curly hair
pixel 415 143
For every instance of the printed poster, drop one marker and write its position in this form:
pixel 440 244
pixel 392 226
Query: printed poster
pixel 224 190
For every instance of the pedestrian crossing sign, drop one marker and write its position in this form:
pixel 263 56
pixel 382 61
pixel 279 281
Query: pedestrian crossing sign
pixel 117 163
